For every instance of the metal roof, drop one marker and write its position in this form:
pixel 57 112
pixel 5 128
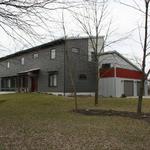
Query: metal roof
pixel 117 53
pixel 54 42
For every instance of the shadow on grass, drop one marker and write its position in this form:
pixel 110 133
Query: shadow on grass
pixel 2 101
pixel 99 112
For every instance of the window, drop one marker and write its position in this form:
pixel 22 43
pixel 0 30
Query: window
pixel 82 77
pixel 91 56
pixel 9 83
pixel 8 64
pixel 22 61
pixel 106 66
pixel 75 50
pixel 53 79
pixel 13 82
pixel 35 56
pixel 52 54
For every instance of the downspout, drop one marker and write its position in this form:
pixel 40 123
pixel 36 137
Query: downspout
pixel 64 68
pixel 114 76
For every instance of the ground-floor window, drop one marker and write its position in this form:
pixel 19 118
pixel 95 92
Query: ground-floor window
pixel 21 83
pixel 53 79
pixel 9 83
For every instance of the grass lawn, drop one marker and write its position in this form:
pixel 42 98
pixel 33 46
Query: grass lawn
pixel 44 122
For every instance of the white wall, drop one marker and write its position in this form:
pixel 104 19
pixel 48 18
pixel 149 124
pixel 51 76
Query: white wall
pixel 111 87
pixel 100 44
pixel 115 87
pixel 90 46
pixel 107 87
pixel 115 61
pixel 146 88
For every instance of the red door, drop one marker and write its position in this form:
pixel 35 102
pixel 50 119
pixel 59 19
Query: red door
pixel 34 84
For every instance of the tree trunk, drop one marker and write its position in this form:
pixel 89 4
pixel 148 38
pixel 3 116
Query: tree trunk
pixel 75 100
pixel 96 84
pixel 140 99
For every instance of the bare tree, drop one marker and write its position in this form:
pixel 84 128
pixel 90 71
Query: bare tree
pixel 28 20
pixel 69 64
pixel 145 44
pixel 93 20
pixel 17 17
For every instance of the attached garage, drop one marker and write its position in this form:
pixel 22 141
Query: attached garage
pixel 129 88
pixel 119 76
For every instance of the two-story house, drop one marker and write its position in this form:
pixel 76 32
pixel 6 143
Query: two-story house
pixel 45 68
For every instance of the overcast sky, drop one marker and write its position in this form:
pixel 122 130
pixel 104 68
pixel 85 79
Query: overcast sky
pixel 124 20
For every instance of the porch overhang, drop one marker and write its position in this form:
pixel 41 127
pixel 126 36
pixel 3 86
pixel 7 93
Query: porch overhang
pixel 30 70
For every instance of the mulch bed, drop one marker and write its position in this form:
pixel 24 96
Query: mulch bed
pixel 99 112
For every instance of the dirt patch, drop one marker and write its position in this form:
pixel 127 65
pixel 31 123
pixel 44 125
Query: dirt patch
pixel 99 112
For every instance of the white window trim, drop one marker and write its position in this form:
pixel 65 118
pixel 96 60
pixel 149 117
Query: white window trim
pixel 35 56
pixel 22 61
pixel 8 64
pixel 53 80
pixel 9 83
pixel 75 50
pixel 53 54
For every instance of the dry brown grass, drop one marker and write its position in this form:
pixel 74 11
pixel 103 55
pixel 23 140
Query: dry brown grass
pixel 43 122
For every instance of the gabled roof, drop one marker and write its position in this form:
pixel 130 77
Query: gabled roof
pixel 121 56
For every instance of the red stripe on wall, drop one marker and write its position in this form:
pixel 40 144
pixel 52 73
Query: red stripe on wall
pixel 120 73
pixel 107 73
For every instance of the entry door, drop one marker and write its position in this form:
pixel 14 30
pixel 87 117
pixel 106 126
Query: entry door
pixel 34 84
pixel 128 88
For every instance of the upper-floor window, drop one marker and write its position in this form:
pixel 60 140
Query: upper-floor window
pixel 35 56
pixel 22 61
pixel 106 66
pixel 82 77
pixel 8 64
pixel 52 53
pixel 75 50
pixel 91 56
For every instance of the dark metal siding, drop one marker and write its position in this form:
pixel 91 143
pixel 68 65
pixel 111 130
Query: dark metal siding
pixel 43 62
pixel 79 63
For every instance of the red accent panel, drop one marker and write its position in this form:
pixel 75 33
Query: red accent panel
pixel 131 74
pixel 107 73
pixel 121 73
